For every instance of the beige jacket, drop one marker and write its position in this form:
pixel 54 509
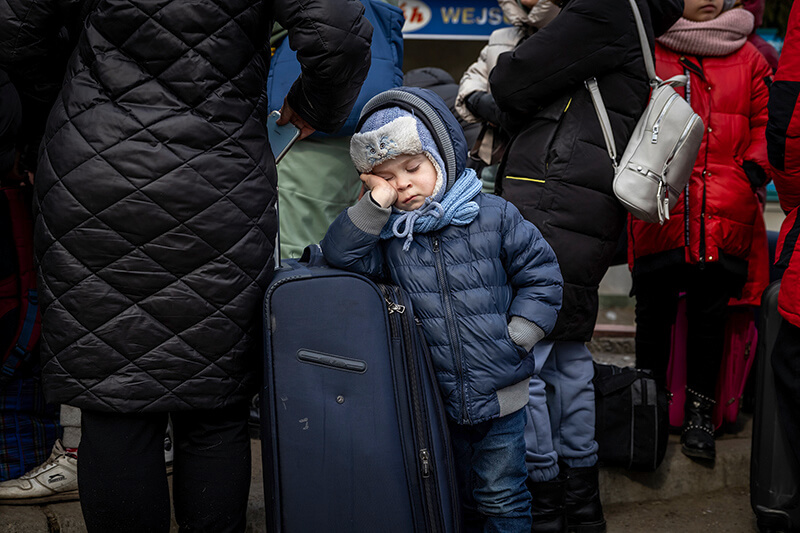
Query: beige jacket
pixel 476 77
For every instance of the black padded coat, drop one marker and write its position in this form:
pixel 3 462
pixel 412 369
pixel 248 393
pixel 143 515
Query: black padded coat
pixel 156 194
pixel 557 170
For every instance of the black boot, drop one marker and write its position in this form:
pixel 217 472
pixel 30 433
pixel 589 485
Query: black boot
pixel 582 506
pixel 698 428
pixel 547 505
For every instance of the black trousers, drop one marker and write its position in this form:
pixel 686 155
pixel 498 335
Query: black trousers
pixel 786 367
pixel 123 481
pixel 707 291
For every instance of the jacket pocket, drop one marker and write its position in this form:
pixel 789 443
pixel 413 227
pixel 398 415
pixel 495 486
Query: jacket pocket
pixel 535 147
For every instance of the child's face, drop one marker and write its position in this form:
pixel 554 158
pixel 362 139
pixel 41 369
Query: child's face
pixel 412 176
pixel 701 10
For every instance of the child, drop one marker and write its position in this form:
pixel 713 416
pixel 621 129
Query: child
pixel 483 281
pixel 703 248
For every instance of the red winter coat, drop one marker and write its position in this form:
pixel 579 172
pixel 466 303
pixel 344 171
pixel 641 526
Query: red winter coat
pixel 730 94
pixel 783 137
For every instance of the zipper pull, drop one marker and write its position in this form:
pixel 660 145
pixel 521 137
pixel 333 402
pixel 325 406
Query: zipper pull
pixel 435 244
pixel 425 460
pixel 395 307
pixel 654 138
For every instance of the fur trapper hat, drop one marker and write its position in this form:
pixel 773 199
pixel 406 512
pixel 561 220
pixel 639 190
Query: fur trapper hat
pixel 391 132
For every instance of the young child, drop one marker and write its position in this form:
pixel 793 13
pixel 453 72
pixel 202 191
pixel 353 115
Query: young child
pixel 703 249
pixel 484 283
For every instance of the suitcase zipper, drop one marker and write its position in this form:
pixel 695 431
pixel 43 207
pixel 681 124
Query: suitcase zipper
pixel 441 420
pixel 400 326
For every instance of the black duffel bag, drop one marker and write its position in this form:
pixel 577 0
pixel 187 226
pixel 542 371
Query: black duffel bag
pixel 631 418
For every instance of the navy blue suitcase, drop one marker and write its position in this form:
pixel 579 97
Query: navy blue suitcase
pixel 774 474
pixel 354 434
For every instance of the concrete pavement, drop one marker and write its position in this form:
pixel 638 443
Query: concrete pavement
pixel 682 496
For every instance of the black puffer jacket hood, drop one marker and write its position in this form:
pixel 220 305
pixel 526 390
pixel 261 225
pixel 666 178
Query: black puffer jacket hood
pixel 156 194
pixel 663 14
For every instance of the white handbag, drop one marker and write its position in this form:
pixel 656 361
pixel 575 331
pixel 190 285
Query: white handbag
pixel 660 155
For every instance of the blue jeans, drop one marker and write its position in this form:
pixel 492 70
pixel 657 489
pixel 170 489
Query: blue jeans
pixel 560 409
pixel 490 469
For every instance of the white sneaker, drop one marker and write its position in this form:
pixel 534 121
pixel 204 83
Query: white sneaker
pixel 54 481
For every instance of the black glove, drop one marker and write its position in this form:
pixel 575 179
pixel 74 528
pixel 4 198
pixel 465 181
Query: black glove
pixel 482 105
pixel 755 174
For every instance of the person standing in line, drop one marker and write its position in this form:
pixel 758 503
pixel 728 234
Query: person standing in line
pixel 155 232
pixel 783 147
pixel 703 248
pixel 557 172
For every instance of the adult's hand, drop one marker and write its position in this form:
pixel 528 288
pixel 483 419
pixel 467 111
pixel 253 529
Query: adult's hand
pixel 288 115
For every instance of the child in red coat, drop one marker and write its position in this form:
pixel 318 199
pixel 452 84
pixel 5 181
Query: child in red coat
pixel 703 249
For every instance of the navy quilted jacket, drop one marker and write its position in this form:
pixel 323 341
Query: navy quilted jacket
pixel 465 282
pixel 156 194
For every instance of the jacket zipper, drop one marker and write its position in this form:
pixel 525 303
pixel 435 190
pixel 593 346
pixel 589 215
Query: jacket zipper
pixel 686 226
pixel 400 328
pixel 702 246
pixel 451 327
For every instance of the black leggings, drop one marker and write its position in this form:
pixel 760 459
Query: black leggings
pixel 707 293
pixel 122 476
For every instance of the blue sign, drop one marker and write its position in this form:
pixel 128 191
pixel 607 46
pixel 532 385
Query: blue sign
pixel 451 19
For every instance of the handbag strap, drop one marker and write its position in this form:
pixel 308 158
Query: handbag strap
pixel 649 62
pixel 597 99
pixel 605 123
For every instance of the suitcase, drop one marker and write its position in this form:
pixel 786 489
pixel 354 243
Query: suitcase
pixel 774 473
pixel 354 434
pixel 741 338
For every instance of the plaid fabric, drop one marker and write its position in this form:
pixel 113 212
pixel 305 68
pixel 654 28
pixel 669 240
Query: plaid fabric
pixel 28 427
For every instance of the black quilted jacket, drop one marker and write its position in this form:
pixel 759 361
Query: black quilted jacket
pixel 156 194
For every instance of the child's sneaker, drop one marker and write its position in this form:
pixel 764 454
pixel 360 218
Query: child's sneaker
pixel 54 481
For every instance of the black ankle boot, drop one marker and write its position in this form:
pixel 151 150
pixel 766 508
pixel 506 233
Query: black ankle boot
pixel 582 505
pixel 547 505
pixel 698 427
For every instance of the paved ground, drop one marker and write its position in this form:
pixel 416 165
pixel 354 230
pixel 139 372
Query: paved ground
pixel 681 497
pixel 727 511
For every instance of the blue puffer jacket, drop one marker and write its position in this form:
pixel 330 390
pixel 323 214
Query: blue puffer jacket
pixel 465 282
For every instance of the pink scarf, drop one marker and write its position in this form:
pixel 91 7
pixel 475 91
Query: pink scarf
pixel 718 37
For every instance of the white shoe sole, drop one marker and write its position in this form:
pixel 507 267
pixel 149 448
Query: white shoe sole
pixel 68 496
